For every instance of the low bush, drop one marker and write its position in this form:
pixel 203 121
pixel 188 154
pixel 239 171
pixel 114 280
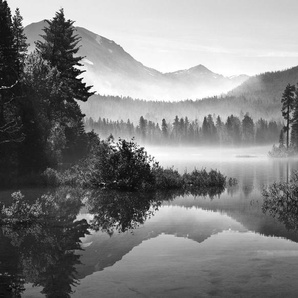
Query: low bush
pixel 204 179
pixel 166 179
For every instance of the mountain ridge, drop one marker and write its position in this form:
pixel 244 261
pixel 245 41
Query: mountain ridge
pixel 113 71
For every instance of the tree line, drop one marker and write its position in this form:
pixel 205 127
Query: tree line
pixel 118 107
pixel 212 131
pixel 41 123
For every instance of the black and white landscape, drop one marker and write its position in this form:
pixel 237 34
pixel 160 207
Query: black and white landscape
pixel 148 148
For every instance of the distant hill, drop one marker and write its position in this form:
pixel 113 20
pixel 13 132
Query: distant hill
pixel 112 71
pixel 260 96
pixel 268 86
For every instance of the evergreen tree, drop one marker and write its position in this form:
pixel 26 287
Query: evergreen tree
pixel 220 130
pixel 205 130
pixel 176 128
pixel 10 122
pixel 287 107
pixel 248 129
pixel 143 127
pixel 8 53
pixel 294 126
pixel 164 129
pixel 8 56
pixel 20 44
pixel 59 49
pixel 261 131
pixel 281 139
pixel 233 127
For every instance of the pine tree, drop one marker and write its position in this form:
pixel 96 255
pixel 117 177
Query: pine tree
pixel 281 139
pixel 7 49
pixel 59 47
pixel 248 129
pixel 164 129
pixel 19 40
pixel 9 123
pixel 294 126
pixel 143 127
pixel 287 107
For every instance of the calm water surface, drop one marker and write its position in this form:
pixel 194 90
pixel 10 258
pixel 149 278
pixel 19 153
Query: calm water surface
pixel 166 245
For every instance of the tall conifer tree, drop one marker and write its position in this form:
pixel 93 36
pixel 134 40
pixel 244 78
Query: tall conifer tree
pixel 19 42
pixel 60 49
pixel 287 108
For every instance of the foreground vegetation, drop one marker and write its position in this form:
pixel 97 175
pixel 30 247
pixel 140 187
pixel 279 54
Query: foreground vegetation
pixel 124 165
pixel 41 123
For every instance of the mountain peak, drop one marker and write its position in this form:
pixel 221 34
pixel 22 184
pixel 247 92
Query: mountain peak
pixel 200 68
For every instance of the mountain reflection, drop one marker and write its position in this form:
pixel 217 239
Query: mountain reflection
pixel 45 251
pixel 122 211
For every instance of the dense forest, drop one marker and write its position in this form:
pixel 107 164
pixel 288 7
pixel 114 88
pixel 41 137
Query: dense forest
pixel 212 131
pixel 41 124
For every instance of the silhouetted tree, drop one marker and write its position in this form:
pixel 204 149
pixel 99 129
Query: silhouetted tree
pixel 59 49
pixel 248 132
pixel 287 101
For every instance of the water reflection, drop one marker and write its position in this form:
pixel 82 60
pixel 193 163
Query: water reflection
pixel 43 252
pixel 281 202
pixel 48 253
pixel 121 211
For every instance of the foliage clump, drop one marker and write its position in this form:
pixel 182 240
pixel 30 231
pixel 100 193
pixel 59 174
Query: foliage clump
pixel 204 179
pixel 119 165
pixel 281 202
pixel 124 165
pixel 56 205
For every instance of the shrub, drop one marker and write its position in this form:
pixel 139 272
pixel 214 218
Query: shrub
pixel 167 178
pixel 204 179
pixel 122 164
pixel 51 177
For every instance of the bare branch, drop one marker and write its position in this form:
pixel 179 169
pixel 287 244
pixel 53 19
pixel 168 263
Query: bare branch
pixel 8 87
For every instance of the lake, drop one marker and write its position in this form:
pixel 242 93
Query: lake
pixel 162 245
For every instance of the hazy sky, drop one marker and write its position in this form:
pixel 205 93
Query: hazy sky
pixel 227 36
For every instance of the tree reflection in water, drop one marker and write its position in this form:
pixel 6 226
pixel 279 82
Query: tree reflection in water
pixel 43 249
pixel 121 211
pixel 281 202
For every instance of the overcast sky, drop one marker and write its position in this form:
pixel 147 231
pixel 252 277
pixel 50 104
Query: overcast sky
pixel 227 36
